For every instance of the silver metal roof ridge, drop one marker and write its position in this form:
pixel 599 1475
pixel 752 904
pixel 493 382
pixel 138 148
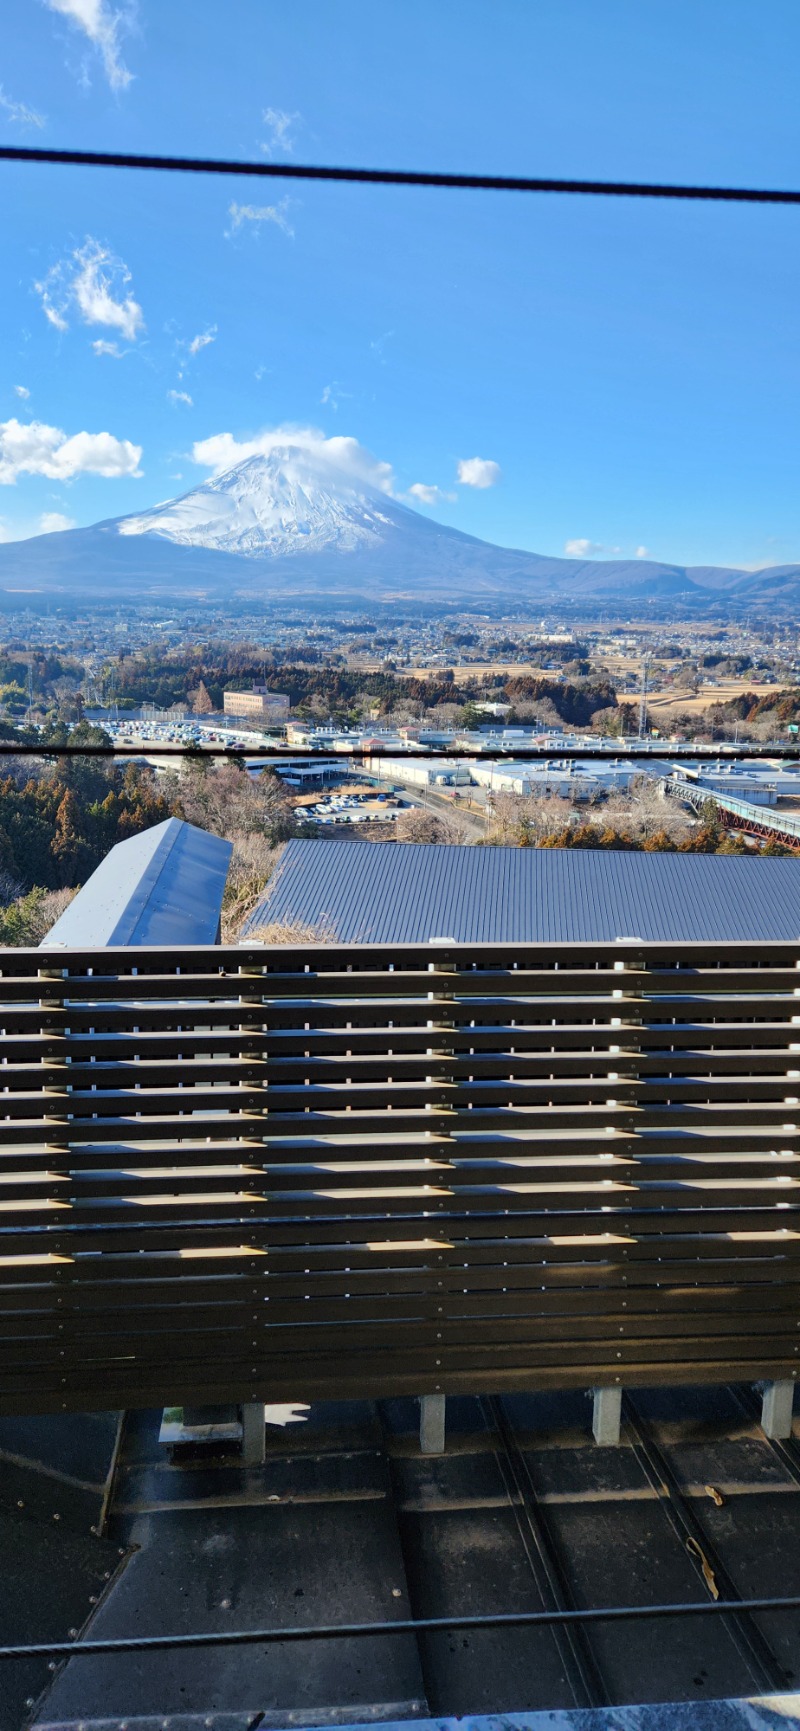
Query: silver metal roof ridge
pixel 164 886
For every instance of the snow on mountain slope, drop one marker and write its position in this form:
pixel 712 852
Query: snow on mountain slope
pixel 284 503
pixel 290 525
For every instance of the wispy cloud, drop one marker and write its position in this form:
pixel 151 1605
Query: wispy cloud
pixel 378 346
pixel 93 282
pixel 103 28
pixel 52 522
pixel 102 347
pixel 36 449
pixel 256 215
pixel 180 397
pixel 333 395
pixel 202 340
pixel 478 472
pixel 643 552
pixel 22 391
pixel 279 125
pixel 425 495
pixel 19 113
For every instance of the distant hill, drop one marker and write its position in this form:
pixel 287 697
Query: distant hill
pixel 291 525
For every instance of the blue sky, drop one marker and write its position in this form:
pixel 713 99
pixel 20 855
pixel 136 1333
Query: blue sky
pixel 628 373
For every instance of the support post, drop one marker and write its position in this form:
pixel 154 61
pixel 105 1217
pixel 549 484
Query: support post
pixel 776 1410
pixel 431 1424
pixel 606 1414
pixel 254 1429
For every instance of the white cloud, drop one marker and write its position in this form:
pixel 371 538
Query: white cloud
pixel 180 397
pixel 643 552
pixel 223 450
pixel 426 495
pixel 52 522
pixel 478 472
pixel 102 347
pixel 93 282
pixel 280 127
pixel 22 391
pixel 202 340
pixel 583 549
pixel 18 112
pixel 103 27
pixel 258 214
pixel 36 449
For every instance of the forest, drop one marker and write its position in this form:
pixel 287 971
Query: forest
pixel 196 678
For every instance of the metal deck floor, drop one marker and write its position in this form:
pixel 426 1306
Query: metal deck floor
pixel 347 1521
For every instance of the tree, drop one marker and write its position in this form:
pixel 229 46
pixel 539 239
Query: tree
pixel 200 700
pixel 524 819
pixel 253 862
pixel 425 826
pixel 28 919
pixel 230 802
pixel 69 848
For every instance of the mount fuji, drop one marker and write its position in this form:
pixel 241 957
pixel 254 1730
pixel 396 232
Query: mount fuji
pixel 289 524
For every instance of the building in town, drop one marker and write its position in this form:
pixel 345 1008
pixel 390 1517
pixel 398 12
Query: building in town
pixel 258 703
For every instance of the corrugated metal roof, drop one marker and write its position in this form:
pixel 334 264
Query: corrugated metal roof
pixel 410 893
pixel 164 886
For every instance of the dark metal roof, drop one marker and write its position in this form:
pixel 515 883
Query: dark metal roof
pixel 410 893
pixel 164 886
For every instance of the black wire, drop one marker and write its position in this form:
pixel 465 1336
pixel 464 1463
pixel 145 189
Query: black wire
pixel 399 176
pixel 470 753
pixel 404 1626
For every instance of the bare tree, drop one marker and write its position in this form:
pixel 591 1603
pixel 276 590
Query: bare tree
pixel 524 819
pixel 540 709
pixel 230 802
pixel 10 887
pixel 643 811
pixel 445 715
pixel 426 826
pixel 253 862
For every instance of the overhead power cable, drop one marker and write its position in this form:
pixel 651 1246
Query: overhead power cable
pixel 549 754
pixel 400 176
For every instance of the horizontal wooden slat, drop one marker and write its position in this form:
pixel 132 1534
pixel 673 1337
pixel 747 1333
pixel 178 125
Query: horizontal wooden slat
pixel 231 1173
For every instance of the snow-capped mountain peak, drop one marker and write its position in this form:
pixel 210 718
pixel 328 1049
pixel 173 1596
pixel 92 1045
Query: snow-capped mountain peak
pixel 288 501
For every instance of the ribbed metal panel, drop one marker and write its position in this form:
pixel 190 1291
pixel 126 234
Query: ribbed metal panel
pixel 163 886
pixel 413 893
pixel 292 1173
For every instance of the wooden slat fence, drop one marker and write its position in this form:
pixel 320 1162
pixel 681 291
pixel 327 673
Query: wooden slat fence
pixel 302 1173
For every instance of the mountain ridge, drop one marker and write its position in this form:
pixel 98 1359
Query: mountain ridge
pixel 288 523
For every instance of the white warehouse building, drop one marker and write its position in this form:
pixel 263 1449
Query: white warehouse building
pixel 421 772
pixel 569 778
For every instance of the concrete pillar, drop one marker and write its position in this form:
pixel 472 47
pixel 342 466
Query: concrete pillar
pixel 431 1424
pixel 776 1409
pixel 253 1433
pixel 606 1413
